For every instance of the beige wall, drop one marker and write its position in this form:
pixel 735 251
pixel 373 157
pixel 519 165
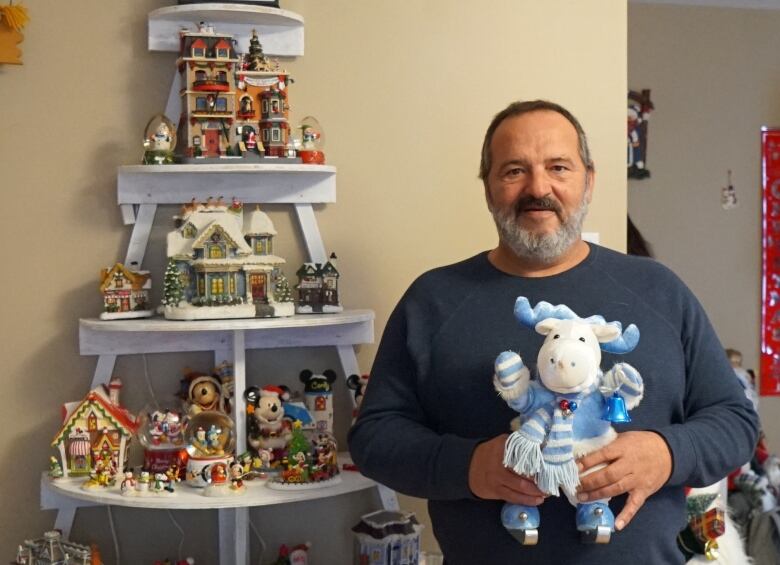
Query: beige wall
pixel 404 91
pixel 713 75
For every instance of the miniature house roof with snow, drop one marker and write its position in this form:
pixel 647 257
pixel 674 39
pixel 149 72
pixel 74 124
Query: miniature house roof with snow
pixel 318 287
pixel 125 292
pixel 225 261
pixel 95 427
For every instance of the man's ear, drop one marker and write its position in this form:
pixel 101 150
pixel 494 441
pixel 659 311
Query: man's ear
pixel 590 184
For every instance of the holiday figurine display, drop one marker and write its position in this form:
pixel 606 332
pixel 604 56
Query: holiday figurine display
pixel 312 141
pixel 567 412
pixel 263 110
pixel 95 434
pixel 307 464
pixel 267 428
pixel 125 292
pixel 225 264
pixel 296 555
pixel 318 288
pixel 159 141
pixel 357 383
pixel 387 537
pixel 52 549
pixel 639 108
pixel 210 440
pixel 161 433
pixel 318 395
pixel 201 391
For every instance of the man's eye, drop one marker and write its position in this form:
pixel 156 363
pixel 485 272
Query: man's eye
pixel 514 172
pixel 559 168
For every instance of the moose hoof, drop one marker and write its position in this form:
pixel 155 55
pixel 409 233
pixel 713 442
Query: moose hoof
pixel 601 534
pixel 525 537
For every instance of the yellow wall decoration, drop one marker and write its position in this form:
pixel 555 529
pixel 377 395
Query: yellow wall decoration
pixel 12 20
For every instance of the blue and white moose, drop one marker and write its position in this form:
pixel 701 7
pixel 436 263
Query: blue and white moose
pixel 566 412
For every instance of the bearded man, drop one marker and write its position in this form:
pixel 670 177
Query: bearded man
pixel 432 426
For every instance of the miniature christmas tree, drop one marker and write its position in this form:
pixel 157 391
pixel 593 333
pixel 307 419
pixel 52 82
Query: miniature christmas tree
pixel 256 59
pixel 282 291
pixel 173 293
pixel 299 452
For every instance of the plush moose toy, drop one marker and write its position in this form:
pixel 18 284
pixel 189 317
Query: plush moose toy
pixel 566 412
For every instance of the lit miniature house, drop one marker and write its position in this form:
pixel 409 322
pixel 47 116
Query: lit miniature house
pixel 263 110
pixel 51 549
pixel 94 429
pixel 207 63
pixel 318 288
pixel 125 293
pixel 388 537
pixel 225 262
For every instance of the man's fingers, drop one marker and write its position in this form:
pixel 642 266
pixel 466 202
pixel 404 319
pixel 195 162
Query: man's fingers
pixel 604 477
pixel 615 488
pixel 522 485
pixel 634 502
pixel 598 457
pixel 510 495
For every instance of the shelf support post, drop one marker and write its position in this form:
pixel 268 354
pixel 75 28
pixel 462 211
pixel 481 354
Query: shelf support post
pixel 234 536
pixel 136 249
pixel 311 233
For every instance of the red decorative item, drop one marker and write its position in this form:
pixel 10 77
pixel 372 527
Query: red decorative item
pixel 710 525
pixel 770 258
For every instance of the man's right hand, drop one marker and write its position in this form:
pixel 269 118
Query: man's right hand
pixel 489 479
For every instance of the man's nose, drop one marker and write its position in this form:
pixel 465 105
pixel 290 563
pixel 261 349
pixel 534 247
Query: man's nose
pixel 538 184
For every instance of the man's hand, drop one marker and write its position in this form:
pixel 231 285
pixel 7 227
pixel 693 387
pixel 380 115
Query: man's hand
pixel 489 479
pixel 637 463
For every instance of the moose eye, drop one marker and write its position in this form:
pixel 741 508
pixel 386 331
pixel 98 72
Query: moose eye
pixel 582 339
pixel 556 336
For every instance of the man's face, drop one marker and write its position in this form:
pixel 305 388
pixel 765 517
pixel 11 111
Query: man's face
pixel 538 189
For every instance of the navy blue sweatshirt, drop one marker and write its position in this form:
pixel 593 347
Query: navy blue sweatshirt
pixel 430 402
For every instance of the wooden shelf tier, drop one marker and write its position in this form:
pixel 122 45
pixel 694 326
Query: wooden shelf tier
pixel 280 31
pixel 267 183
pixel 158 335
pixel 189 498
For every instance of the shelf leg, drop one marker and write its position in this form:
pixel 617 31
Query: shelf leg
pixel 65 516
pixel 140 236
pixel 311 233
pixel 237 357
pixel 234 536
pixel 173 106
pixel 103 370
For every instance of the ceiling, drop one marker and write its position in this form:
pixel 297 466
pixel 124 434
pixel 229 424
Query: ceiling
pixel 759 4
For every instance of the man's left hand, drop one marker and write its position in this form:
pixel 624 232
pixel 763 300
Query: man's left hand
pixel 637 463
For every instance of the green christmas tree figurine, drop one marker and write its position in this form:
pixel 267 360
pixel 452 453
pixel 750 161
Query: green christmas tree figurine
pixel 282 292
pixel 299 453
pixel 173 293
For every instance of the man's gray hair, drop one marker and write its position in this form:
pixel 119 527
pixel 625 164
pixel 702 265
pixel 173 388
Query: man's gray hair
pixel 524 107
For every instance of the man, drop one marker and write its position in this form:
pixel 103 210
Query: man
pixel 432 426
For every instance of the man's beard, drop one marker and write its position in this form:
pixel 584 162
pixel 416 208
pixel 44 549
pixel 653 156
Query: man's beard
pixel 543 248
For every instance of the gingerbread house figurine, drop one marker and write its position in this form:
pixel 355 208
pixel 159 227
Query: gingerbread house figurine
pixel 95 430
pixel 207 64
pixel 125 292
pixel 226 261
pixel 262 106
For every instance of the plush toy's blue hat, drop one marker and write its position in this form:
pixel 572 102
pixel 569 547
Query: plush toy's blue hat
pixel 624 343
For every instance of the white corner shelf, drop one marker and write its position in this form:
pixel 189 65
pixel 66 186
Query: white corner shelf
pixel 280 31
pixel 190 498
pixel 261 182
pixel 158 335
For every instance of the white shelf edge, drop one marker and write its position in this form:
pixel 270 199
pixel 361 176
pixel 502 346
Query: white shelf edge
pixel 281 31
pixel 250 183
pixel 158 335
pixel 189 498
pixel 228 168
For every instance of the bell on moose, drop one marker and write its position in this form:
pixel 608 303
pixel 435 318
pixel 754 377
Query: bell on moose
pixel 616 410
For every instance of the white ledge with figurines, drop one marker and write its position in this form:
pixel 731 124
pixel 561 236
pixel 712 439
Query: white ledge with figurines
pixel 257 493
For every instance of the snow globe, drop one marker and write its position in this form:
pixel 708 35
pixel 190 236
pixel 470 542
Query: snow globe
pixel 159 141
pixel 161 433
pixel 210 440
pixel 312 141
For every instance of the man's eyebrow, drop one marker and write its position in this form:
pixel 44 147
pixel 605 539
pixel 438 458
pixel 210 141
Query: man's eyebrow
pixel 560 158
pixel 514 161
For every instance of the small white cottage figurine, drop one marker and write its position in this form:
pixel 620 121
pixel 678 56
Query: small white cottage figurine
pixel 125 292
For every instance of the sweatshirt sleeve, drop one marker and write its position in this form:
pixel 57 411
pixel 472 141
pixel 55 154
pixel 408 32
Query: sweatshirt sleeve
pixel 721 427
pixel 391 441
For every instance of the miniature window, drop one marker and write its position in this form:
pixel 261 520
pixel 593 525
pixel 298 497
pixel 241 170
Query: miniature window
pixel 221 104
pixel 217 286
pixel 232 285
pixel 200 103
pixel 222 53
pixel 265 106
pixel 222 76
pixel 276 134
pixel 216 252
pixel 201 285
pixel 200 75
pixel 196 141
pixel 266 137
pixel 275 106
pixel 198 52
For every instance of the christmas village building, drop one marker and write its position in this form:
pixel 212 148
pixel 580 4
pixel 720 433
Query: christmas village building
pixel 125 293
pixel 95 431
pixel 318 288
pixel 263 110
pixel 207 63
pixel 221 265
